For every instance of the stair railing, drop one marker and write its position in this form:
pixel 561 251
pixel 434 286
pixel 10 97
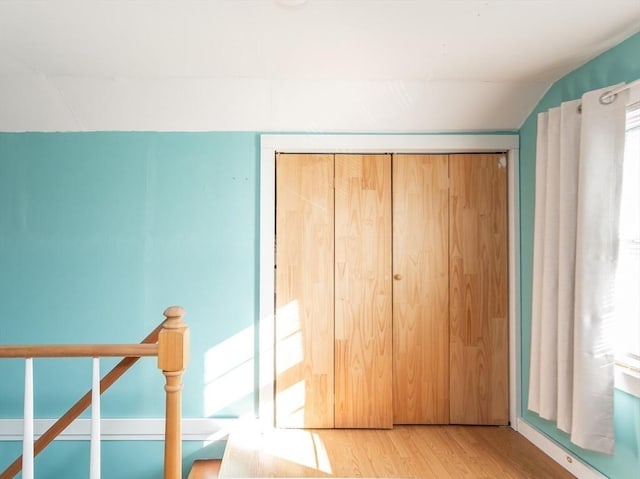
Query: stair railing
pixel 169 342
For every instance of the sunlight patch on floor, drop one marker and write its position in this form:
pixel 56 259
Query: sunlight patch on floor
pixel 299 447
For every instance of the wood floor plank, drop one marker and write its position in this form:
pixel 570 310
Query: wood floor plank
pixel 443 452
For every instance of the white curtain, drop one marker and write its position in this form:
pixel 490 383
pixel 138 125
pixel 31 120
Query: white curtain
pixel 578 180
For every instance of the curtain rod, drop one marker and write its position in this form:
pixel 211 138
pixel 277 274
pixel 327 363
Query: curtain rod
pixel 610 96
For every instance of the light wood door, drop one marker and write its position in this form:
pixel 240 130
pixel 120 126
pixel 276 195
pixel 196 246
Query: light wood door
pixel 363 302
pixel 341 361
pixel 478 289
pixel 304 321
pixel 421 289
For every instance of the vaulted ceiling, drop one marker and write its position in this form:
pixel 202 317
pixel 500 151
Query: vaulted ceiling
pixel 293 65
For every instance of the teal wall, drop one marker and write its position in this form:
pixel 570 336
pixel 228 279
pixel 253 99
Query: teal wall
pixel 99 232
pixel 620 64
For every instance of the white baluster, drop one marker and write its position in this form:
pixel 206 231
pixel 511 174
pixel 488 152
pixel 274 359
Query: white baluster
pixel 27 434
pixel 94 462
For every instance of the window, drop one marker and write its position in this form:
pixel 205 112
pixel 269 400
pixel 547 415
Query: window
pixel 628 273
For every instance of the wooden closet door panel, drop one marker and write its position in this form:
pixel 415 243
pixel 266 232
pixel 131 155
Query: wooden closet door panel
pixel 421 289
pixel 363 326
pixel 304 351
pixel 478 289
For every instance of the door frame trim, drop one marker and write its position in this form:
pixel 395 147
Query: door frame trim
pixel 371 143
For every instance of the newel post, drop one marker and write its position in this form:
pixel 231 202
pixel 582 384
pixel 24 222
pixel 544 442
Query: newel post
pixel 173 355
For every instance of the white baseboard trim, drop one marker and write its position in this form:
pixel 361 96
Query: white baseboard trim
pixel 556 452
pixel 152 429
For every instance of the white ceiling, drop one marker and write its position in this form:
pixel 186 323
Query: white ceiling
pixel 325 65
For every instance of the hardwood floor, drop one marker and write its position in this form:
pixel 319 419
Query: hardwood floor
pixel 440 452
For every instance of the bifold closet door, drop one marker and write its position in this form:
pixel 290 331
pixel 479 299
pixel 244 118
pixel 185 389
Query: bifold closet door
pixel 333 291
pixel 304 322
pixel 341 361
pixel 421 289
pixel 363 302
pixel 478 289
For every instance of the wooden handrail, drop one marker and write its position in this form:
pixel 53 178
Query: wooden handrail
pixel 83 403
pixel 79 351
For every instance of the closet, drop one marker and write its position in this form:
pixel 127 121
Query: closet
pixel 391 287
